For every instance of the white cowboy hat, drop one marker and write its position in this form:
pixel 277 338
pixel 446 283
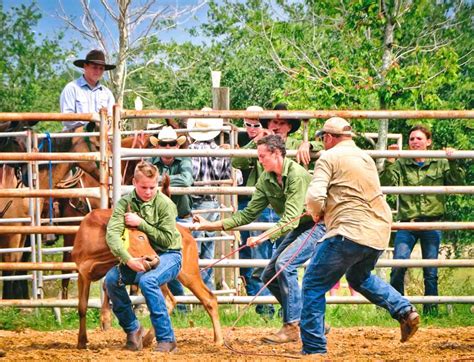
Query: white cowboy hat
pixel 167 134
pixel 204 123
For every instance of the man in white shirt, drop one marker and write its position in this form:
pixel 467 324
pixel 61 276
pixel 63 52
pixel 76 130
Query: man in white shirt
pixel 86 94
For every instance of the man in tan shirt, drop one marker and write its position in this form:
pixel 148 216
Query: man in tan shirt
pixel 346 192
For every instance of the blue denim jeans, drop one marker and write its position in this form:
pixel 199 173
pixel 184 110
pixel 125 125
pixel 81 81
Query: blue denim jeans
pixel 335 257
pixel 121 275
pixel 253 276
pixel 405 241
pixel 206 249
pixel 285 287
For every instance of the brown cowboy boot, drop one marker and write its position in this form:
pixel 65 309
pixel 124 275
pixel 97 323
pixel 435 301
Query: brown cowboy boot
pixel 135 340
pixel 409 325
pixel 290 332
pixel 166 347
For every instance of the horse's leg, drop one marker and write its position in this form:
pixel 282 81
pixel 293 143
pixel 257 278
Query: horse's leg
pixel 84 285
pixel 105 313
pixel 21 286
pixel 68 241
pixel 15 289
pixel 196 285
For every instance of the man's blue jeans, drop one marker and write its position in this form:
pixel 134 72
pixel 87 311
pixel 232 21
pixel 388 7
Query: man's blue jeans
pixel 253 276
pixel 299 244
pixel 206 249
pixel 335 257
pixel 119 276
pixel 404 243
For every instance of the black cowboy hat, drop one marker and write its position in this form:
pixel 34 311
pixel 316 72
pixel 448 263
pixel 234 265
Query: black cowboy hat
pixel 94 56
pixel 295 123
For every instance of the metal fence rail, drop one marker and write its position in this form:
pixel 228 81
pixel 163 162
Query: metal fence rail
pixel 246 263
pixel 119 114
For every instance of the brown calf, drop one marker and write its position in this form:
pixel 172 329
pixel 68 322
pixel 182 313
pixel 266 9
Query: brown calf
pixel 94 259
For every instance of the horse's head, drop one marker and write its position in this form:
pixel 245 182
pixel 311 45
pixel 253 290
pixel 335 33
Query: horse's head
pixel 88 144
pixel 12 144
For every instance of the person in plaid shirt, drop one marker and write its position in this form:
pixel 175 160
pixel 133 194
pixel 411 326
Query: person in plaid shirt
pixel 207 169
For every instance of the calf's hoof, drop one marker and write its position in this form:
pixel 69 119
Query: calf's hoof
pixel 148 339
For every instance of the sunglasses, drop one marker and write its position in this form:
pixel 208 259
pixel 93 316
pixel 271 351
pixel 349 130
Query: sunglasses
pixel 165 143
pixel 252 125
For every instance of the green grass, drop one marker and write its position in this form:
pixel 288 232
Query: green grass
pixel 337 316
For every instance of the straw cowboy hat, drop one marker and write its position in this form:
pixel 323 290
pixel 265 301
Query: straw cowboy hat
pixel 295 123
pixel 204 123
pixel 167 134
pixel 94 56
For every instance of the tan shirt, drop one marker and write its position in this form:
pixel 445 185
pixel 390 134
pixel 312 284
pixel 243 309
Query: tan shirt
pixel 346 190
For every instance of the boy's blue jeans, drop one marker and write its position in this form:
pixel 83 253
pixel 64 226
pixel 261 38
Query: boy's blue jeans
pixel 149 282
pixel 335 257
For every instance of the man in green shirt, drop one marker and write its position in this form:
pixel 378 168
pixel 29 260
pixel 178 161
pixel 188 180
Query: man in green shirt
pixel 148 210
pixel 282 185
pixel 420 172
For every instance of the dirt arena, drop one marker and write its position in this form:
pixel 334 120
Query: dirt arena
pixel 195 344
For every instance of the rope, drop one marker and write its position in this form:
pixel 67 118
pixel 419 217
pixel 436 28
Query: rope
pixel 227 344
pixel 260 238
pixel 71 180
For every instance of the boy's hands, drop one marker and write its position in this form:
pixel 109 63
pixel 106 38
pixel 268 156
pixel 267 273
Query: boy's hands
pixel 136 264
pixel 132 219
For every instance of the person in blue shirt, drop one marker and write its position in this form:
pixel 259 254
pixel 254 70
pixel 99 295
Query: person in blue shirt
pixel 86 94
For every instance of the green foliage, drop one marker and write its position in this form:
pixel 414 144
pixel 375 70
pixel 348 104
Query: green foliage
pixel 29 79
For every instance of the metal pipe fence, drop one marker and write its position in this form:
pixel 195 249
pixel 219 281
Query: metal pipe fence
pixel 33 193
pixel 259 263
pixel 136 300
pixel 234 263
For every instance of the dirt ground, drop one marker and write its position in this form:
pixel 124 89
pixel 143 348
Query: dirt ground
pixel 196 344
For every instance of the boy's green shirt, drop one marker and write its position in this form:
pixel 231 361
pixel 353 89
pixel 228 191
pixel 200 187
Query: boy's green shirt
pixel 159 223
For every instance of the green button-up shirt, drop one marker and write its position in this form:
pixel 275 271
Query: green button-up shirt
pixel 246 163
pixel 181 175
pixel 434 172
pixel 159 223
pixel 287 200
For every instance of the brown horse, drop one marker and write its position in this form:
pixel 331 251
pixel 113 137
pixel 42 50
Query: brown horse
pixel 94 259
pixel 18 207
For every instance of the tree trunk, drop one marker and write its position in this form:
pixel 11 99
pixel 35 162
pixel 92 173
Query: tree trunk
pixel 386 63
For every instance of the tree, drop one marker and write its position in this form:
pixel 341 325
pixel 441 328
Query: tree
pixel 29 80
pixel 120 29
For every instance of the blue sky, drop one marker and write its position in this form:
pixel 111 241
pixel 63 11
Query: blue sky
pixel 51 23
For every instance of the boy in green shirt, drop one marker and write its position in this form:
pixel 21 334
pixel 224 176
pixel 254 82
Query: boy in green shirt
pixel 148 210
